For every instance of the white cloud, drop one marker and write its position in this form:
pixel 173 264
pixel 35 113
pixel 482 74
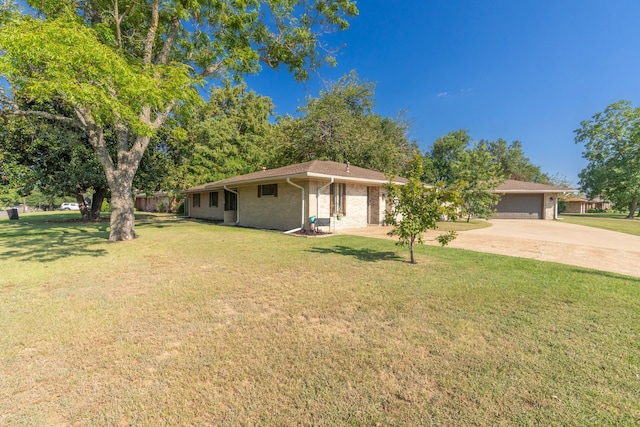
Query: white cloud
pixel 457 92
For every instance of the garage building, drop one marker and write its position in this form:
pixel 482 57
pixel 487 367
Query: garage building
pixel 528 200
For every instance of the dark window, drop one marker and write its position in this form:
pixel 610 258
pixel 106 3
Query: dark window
pixel 338 199
pixel 268 190
pixel 230 201
pixel 213 199
pixel 196 200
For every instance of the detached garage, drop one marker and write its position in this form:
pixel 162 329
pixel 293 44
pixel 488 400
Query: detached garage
pixel 528 200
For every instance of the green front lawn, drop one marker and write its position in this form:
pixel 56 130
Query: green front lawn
pixel 609 221
pixel 198 324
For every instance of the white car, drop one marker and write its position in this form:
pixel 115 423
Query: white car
pixel 69 207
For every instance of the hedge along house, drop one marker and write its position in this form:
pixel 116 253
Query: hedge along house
pixel 528 200
pixel 334 195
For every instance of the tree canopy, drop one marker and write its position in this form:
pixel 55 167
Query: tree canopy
pixel 445 152
pixel 227 136
pixel 454 161
pixel 54 159
pixel 340 125
pixel 120 68
pixel 612 148
pixel 513 163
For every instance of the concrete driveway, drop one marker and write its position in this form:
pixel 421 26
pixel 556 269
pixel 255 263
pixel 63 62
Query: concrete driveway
pixel 555 241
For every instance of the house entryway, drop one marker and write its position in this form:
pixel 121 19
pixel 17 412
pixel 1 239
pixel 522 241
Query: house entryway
pixel 373 206
pixel 230 206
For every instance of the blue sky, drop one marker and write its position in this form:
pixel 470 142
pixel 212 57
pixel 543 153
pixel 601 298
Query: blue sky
pixel 514 69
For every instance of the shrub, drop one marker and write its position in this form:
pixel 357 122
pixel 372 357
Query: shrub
pixel 595 210
pixel 179 207
pixel 562 206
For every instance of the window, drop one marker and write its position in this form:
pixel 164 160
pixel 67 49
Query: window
pixel 268 190
pixel 213 199
pixel 230 201
pixel 196 200
pixel 338 199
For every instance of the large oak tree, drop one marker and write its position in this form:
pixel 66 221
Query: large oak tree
pixel 121 67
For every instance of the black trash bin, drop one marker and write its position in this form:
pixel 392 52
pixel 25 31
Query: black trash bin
pixel 13 213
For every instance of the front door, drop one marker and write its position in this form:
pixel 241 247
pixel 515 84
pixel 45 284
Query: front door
pixel 373 205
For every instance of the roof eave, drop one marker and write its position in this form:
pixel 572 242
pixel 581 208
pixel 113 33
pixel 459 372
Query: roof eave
pixel 350 179
pixel 530 191
pixel 222 184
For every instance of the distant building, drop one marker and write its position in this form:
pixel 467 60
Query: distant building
pixel 580 205
pixel 152 202
pixel 528 200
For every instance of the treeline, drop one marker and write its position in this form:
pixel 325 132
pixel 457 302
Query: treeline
pixel 235 132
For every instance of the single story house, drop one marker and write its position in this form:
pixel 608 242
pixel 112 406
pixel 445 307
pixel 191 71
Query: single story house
pixel 528 200
pixel 599 204
pixel 582 205
pixel 326 194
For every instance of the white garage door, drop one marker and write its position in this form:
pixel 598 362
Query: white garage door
pixel 520 206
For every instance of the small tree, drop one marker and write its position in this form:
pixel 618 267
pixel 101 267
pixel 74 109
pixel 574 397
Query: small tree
pixel 470 167
pixel 477 175
pixel 416 208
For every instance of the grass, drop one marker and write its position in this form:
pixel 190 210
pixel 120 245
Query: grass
pixel 197 324
pixel 463 225
pixel 609 221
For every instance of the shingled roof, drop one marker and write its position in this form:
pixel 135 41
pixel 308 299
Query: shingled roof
pixel 312 169
pixel 513 186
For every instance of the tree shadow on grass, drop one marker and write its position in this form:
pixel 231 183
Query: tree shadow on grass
pixel 363 254
pixel 607 274
pixel 155 221
pixel 51 242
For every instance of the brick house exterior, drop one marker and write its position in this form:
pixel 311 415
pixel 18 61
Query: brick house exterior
pixel 291 197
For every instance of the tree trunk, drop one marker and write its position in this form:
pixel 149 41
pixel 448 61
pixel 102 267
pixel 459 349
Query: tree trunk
pixel 123 225
pixel 91 213
pixel 85 211
pixel 173 204
pixel 632 208
pixel 96 202
pixel 121 170
pixel 411 256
